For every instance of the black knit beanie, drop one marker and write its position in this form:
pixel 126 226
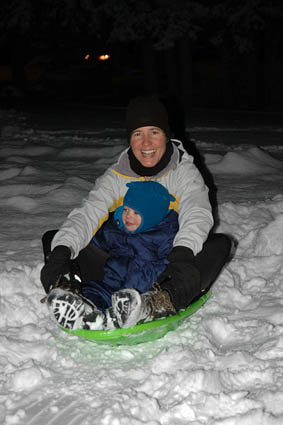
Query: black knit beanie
pixel 144 111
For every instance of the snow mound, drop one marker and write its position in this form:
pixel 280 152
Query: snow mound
pixel 9 173
pixel 22 203
pixel 253 161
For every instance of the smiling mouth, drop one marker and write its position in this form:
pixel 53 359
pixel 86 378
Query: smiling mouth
pixel 130 225
pixel 151 152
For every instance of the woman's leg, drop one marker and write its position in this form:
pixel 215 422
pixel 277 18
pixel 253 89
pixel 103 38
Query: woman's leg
pixel 46 242
pixel 89 264
pixel 215 253
pixel 209 262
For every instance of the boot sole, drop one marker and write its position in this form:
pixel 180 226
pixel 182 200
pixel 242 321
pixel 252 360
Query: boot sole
pixel 66 308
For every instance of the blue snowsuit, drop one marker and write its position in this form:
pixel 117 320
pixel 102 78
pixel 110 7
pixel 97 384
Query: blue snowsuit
pixel 136 259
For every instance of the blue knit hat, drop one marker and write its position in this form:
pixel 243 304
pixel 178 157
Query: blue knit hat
pixel 149 199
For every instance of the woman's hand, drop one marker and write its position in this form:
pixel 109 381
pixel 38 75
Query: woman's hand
pixel 181 278
pixel 58 264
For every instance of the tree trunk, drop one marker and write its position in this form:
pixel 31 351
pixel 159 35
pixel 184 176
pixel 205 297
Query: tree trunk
pixel 17 59
pixel 272 65
pixel 171 72
pixel 230 90
pixel 149 66
pixel 253 74
pixel 186 74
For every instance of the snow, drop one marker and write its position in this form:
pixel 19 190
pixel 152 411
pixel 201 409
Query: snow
pixel 222 366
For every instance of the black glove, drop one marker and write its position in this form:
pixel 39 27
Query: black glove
pixel 181 278
pixel 58 264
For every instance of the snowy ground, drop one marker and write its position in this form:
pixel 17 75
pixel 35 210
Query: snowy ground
pixel 223 366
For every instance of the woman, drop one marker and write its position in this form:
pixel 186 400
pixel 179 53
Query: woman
pixel 195 260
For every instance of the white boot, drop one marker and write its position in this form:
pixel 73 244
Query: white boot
pixel 69 310
pixel 128 307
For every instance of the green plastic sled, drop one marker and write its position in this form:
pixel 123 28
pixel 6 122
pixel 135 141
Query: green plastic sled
pixel 143 332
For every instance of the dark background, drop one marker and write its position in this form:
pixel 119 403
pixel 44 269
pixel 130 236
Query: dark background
pixel 220 54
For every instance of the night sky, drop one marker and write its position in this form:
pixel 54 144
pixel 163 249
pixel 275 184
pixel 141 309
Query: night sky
pixel 220 56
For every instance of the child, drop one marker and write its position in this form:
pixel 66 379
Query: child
pixel 138 239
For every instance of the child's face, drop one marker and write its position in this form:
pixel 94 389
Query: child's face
pixel 131 219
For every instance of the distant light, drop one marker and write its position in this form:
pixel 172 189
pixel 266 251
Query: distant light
pixel 87 57
pixel 103 57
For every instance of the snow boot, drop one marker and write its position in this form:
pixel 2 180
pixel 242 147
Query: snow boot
pixel 111 321
pixel 73 311
pixel 96 320
pixel 130 307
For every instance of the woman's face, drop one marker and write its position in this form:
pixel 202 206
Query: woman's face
pixel 131 219
pixel 148 145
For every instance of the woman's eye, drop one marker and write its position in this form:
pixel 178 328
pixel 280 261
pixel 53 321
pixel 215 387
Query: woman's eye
pixel 155 132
